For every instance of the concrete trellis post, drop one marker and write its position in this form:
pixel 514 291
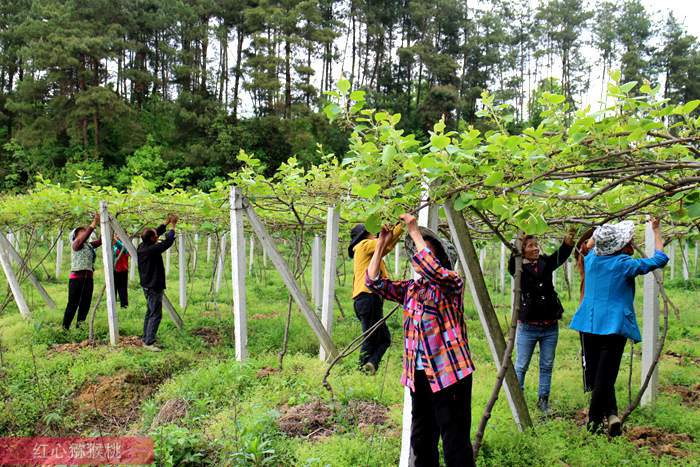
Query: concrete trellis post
pixel 251 254
pixel 13 242
pixel 14 283
pixel 133 263
pixel 695 261
pixel 182 269
pixel 221 262
pixel 121 233
pixel 650 331
pixel 486 312
pixel 168 254
pixel 570 270
pixel 13 255
pixel 195 252
pixel 332 226
pixel 108 263
pixel 289 281
pixel 59 253
pixel 502 269
pixel 482 258
pixel 397 260
pixel 240 315
pixel 316 273
pixel 686 261
pixel 672 259
pixel 208 248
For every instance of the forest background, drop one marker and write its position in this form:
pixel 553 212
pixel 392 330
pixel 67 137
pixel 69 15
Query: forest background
pixel 99 91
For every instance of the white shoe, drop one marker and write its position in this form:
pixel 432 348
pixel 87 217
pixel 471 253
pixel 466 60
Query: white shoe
pixel 151 347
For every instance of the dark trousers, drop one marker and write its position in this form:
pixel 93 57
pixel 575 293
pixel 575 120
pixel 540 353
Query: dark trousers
pixel 602 356
pixel 369 310
pixel 121 283
pixel 79 299
pixel 444 414
pixel 154 313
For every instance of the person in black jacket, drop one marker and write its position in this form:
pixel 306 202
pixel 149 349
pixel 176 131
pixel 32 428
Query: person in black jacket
pixel 540 311
pixel 152 276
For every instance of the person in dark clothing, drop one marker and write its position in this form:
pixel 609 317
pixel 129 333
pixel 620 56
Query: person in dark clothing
pixel 121 272
pixel 152 276
pixel 540 311
pixel 80 282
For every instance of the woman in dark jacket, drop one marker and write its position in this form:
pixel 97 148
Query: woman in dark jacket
pixel 540 311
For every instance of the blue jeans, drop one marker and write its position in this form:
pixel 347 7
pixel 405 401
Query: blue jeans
pixel 525 339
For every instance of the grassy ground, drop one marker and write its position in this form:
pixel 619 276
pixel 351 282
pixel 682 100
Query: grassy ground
pixel 226 413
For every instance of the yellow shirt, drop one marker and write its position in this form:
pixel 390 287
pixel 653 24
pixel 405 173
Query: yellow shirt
pixel 363 255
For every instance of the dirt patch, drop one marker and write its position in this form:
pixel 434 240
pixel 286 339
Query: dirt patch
pixel 110 402
pixel 259 316
pixel 172 411
pixel 683 360
pixel 209 335
pixel 316 419
pixel 313 420
pixel 659 443
pixel 75 347
pixel 266 371
pixel 689 395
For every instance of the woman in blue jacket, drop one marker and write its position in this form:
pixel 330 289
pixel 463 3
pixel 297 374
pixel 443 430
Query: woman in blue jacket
pixel 606 316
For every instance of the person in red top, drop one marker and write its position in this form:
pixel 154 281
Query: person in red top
pixel 121 272
pixel 437 364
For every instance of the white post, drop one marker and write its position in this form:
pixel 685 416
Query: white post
pixel 167 261
pixel 695 261
pixel 12 241
pixel 251 254
pixel 133 261
pixel 482 258
pixel 264 258
pixel 554 279
pixel 208 248
pixel 650 331
pixel 686 258
pixel 108 263
pixel 240 316
pixel 570 264
pixel 220 262
pixel 59 253
pixel 427 217
pixel 12 254
pixel 397 260
pixel 182 270
pixel 332 225
pixel 672 259
pixel 194 252
pixel 316 273
pixel 502 269
pixel 14 284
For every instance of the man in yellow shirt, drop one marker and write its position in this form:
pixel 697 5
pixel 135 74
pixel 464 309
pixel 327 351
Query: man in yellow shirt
pixel 368 305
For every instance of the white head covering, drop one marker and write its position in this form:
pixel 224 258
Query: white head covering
pixel 611 238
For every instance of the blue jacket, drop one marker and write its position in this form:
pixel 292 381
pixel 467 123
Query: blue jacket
pixel 608 295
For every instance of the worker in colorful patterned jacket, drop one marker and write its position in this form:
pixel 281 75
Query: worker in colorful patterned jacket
pixel 437 364
pixel 82 265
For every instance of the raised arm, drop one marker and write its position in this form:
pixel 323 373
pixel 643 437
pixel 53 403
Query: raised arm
pixel 640 266
pixel 82 237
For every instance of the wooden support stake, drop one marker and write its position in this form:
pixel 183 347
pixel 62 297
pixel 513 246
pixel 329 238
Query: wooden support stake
pixel 329 272
pixel 14 255
pixel 316 273
pixel 240 315
pixel 14 283
pixel 289 281
pixel 502 269
pixel 122 235
pixel 650 330
pixel 108 264
pixel 59 253
pixel 182 269
pixel 486 312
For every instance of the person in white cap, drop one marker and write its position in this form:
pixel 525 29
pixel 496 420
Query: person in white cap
pixel 605 318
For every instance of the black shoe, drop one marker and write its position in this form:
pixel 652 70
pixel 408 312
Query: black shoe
pixel 614 426
pixel 543 404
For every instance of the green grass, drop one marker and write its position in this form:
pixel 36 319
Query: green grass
pixel 232 412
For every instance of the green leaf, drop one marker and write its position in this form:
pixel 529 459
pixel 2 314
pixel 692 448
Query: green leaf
pixel 343 86
pixel 686 108
pixel 494 178
pixel 332 110
pixel 357 95
pixel 369 191
pixel 439 127
pixel 439 141
pixel 693 210
pixel 373 223
pixel 463 200
pixel 627 87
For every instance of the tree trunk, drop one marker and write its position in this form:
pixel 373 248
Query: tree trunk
pixel 236 83
pixel 287 78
